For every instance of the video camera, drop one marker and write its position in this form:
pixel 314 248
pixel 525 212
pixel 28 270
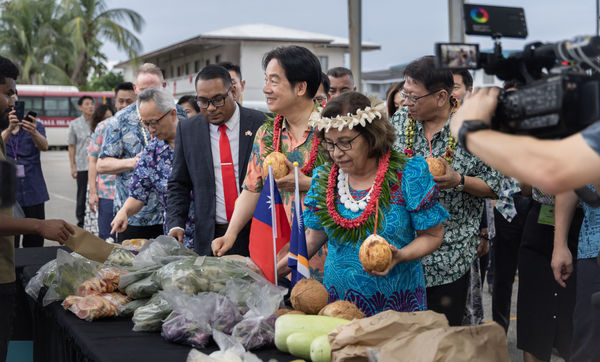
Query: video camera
pixel 559 83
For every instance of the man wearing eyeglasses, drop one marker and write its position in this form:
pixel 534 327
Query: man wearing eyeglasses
pixel 423 130
pixel 124 139
pixel 153 169
pixel 211 157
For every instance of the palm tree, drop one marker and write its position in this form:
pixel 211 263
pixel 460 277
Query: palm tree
pixel 27 35
pixel 88 23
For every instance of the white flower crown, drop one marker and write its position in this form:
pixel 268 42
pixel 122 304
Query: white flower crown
pixel 362 116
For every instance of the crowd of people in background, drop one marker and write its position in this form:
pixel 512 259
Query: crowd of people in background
pixel 192 168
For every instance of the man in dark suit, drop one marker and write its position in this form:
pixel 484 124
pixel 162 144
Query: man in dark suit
pixel 211 157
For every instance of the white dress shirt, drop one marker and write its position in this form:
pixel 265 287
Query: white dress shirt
pixel 233 133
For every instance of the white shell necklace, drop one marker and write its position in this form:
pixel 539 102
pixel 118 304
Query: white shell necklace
pixel 346 197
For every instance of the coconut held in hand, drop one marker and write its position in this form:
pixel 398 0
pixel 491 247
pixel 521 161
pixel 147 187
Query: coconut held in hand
pixel 375 253
pixel 277 160
pixel 309 296
pixel 436 167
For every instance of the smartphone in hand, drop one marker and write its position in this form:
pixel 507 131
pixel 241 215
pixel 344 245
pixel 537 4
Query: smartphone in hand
pixel 31 116
pixel 20 110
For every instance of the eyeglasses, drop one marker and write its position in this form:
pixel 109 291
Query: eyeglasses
pixel 413 99
pixel 319 99
pixel 217 101
pixel 153 124
pixel 341 145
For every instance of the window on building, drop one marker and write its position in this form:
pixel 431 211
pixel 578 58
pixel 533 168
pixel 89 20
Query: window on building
pixel 57 106
pixel 207 62
pixel 218 58
pixel 197 65
pixel 324 60
pixel 187 68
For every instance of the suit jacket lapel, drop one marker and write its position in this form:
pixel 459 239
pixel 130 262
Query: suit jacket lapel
pixel 205 141
pixel 245 145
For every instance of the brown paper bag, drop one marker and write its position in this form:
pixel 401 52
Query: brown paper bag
pixel 89 245
pixel 416 337
pixel 486 342
pixel 350 343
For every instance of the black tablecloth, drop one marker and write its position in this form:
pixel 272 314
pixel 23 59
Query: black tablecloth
pixel 34 257
pixel 59 335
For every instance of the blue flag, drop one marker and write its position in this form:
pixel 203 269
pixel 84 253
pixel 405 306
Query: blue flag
pixel 298 254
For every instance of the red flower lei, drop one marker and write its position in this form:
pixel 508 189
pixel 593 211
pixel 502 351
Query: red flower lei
pixel 314 150
pixel 371 205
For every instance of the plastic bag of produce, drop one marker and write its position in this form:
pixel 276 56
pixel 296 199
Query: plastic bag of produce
pixel 161 251
pixel 201 274
pixel 120 257
pixel 71 271
pixel 96 306
pixel 150 316
pixel 129 308
pixel 215 310
pixel 107 281
pixel 42 278
pixel 229 351
pixel 257 329
pixel 136 275
pixel 144 288
pixel 178 328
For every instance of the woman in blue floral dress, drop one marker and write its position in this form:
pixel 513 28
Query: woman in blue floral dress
pixel 366 177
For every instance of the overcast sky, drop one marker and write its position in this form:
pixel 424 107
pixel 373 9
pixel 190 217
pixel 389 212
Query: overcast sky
pixel 404 29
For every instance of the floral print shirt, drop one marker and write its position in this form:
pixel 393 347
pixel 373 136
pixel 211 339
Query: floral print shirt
pixel 79 135
pixel 125 138
pixel 589 235
pixel 151 175
pixel 105 183
pixel 296 151
pixel 459 247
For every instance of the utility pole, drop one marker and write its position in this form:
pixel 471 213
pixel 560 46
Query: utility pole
pixel 456 26
pixel 355 32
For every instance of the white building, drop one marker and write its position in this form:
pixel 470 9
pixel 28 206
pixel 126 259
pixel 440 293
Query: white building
pixel 379 81
pixel 244 45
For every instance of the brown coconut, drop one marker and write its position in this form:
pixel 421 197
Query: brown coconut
pixel 309 296
pixel 277 160
pixel 375 253
pixel 342 309
pixel 281 311
pixel 436 167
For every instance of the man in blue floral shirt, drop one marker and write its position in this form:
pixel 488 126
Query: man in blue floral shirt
pixel 124 141
pixel 463 186
pixel 151 175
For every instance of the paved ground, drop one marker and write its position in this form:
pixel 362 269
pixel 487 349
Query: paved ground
pixel 62 190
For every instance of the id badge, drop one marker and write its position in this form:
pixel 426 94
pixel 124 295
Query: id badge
pixel 546 216
pixel 20 171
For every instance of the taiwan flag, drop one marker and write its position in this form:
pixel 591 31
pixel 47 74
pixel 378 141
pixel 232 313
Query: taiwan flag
pixel 270 230
pixel 298 254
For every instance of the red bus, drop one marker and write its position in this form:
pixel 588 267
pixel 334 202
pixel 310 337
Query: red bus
pixel 56 107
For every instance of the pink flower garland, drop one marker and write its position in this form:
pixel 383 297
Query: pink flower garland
pixel 308 167
pixel 371 205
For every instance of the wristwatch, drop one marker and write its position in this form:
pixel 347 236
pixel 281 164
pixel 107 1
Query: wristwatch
pixel 461 184
pixel 468 127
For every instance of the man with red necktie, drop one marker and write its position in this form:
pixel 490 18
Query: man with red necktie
pixel 211 157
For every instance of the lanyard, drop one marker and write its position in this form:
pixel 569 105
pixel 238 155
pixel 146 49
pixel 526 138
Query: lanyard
pixel 14 145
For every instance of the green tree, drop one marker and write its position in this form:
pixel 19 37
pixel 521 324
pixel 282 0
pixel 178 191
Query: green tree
pixel 28 36
pixel 105 82
pixel 88 23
